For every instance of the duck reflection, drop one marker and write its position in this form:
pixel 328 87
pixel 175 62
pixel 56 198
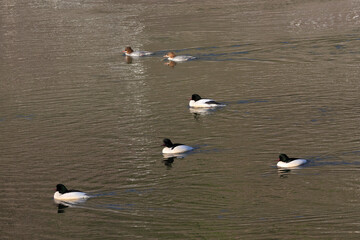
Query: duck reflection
pixel 175 155
pixel 169 161
pixel 170 64
pixel 169 158
pixel 128 59
pixel 62 205
pixel 285 172
pixel 197 112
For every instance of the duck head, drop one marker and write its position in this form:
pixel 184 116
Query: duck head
pixel 283 158
pixel 128 50
pixel 167 143
pixel 170 55
pixel 61 188
pixel 195 97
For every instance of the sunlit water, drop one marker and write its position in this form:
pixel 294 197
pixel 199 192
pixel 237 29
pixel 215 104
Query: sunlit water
pixel 74 110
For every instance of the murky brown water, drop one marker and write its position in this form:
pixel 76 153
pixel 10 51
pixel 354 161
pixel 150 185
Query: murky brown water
pixel 73 110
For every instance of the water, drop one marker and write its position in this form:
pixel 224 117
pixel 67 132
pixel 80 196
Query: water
pixel 74 110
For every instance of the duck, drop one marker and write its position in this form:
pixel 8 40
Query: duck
pixel 63 194
pixel 173 148
pixel 172 57
pixel 197 102
pixel 286 162
pixel 130 52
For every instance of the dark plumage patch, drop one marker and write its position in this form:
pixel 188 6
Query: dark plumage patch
pixel 176 144
pixel 212 102
pixel 169 144
pixel 195 97
pixel 62 189
pixel 284 158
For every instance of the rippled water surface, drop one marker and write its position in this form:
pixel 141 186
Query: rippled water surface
pixel 74 110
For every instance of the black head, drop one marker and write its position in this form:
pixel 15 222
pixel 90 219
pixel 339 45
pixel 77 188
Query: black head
pixel 61 188
pixel 195 97
pixel 167 143
pixel 283 157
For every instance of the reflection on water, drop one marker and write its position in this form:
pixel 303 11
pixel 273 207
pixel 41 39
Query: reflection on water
pixel 169 161
pixel 170 63
pixel 284 173
pixel 176 155
pixel 169 158
pixel 128 59
pixel 74 109
pixel 198 112
pixel 62 205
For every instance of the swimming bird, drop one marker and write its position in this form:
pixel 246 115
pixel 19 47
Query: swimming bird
pixel 172 57
pixel 286 162
pixel 197 102
pixel 62 193
pixel 174 147
pixel 129 52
